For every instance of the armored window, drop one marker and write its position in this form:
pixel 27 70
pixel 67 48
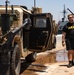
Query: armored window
pixel 39 22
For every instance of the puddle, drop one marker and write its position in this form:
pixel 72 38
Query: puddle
pixel 52 57
pixel 61 55
pixel 39 64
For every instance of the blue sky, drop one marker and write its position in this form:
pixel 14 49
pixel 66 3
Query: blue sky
pixel 53 6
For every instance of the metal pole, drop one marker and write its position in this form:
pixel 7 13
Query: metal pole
pixel 34 3
pixel 6 5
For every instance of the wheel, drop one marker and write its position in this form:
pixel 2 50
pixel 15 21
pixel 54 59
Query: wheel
pixel 15 61
pixel 31 57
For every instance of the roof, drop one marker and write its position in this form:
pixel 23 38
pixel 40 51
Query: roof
pixel 15 7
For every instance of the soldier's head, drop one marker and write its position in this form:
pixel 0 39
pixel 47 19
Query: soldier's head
pixel 71 18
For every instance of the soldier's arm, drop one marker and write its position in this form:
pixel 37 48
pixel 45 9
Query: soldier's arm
pixel 63 38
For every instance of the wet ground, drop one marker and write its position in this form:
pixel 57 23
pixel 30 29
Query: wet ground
pixel 61 56
pixel 40 64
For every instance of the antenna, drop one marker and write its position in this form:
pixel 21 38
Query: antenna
pixel 6 4
pixel 34 3
pixel 64 14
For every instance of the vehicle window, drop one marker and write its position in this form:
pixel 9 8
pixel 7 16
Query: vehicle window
pixel 41 23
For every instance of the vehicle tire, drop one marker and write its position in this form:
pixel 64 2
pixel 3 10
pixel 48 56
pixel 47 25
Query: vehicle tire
pixel 31 57
pixel 15 61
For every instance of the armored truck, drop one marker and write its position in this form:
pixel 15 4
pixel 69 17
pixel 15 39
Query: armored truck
pixel 22 35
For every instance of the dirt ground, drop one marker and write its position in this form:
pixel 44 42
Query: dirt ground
pixel 46 64
pixel 38 65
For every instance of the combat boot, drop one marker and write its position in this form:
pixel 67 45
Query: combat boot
pixel 70 64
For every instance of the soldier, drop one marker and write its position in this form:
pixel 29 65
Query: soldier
pixel 68 39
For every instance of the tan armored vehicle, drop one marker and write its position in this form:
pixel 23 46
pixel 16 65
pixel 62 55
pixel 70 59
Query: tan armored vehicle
pixel 22 31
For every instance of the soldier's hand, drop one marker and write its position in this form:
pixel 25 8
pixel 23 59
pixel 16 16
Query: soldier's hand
pixel 63 43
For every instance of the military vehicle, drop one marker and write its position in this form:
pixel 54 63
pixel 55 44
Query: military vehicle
pixel 22 31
